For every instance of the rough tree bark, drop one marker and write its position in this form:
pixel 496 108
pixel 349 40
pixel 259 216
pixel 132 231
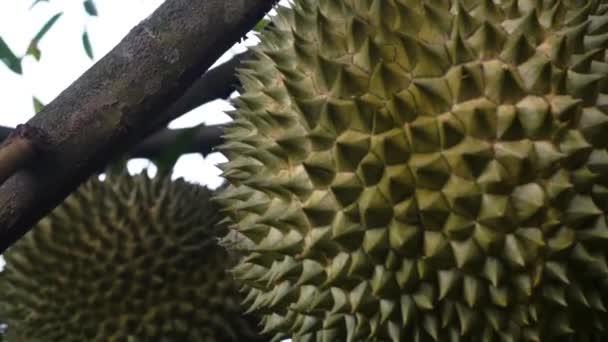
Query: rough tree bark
pixel 120 100
pixel 204 140
pixel 217 83
pixel 20 148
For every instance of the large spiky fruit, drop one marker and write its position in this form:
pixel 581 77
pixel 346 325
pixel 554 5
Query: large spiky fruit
pixel 125 259
pixel 425 170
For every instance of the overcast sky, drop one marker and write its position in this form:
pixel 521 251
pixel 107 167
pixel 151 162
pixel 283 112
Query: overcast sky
pixel 63 60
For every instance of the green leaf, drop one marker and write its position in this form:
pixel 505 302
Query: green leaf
pixel 86 43
pixel 33 49
pixel 47 26
pixel 9 59
pixel 37 2
pixel 260 25
pixel 38 105
pixel 90 8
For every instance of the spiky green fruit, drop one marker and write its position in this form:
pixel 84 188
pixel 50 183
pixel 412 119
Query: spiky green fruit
pixel 125 259
pixel 425 170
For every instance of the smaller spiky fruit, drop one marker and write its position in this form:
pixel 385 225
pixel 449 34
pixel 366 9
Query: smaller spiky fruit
pixel 125 259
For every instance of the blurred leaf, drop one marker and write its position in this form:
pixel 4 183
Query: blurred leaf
pixel 260 25
pixel 167 159
pixel 86 43
pixel 47 26
pixel 90 8
pixel 33 49
pixel 38 105
pixel 9 59
pixel 37 2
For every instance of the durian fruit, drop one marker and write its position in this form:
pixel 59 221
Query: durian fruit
pixel 130 258
pixel 425 170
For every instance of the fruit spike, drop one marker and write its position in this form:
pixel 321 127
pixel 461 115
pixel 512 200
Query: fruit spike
pixel 127 258
pixel 450 164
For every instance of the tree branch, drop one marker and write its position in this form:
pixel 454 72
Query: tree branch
pixel 20 146
pixel 121 99
pixel 217 83
pixel 204 140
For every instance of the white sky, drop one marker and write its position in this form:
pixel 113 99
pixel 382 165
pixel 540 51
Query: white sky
pixel 63 60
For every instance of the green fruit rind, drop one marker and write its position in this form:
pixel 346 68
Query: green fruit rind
pixel 130 258
pixel 425 170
